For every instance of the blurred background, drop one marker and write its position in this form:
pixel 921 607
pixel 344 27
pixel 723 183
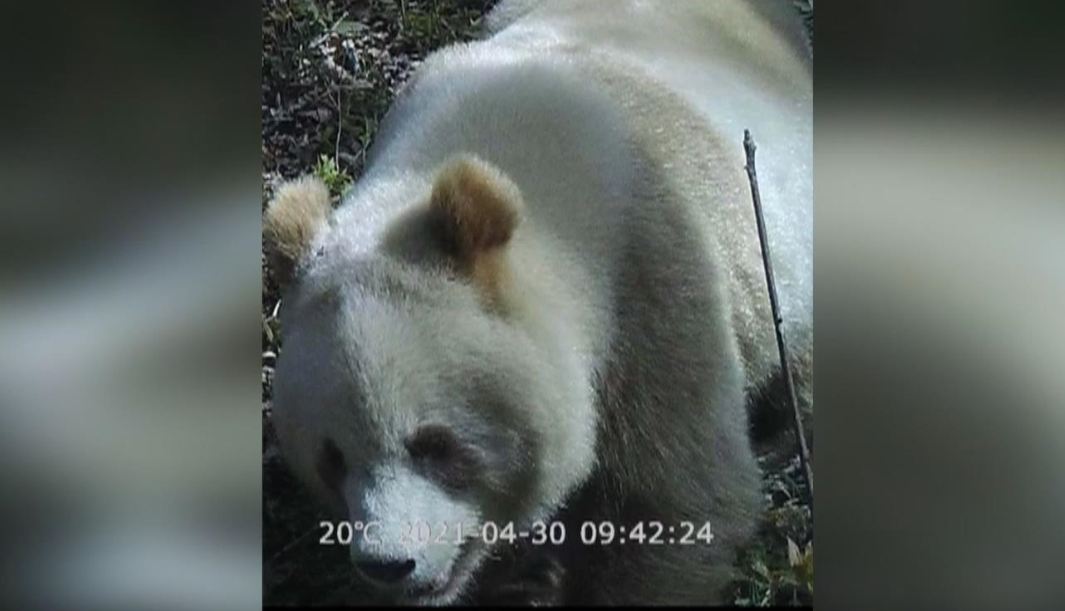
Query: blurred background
pixel 129 373
pixel 940 280
pixel 132 174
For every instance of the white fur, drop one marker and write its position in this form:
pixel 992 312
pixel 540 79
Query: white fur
pixel 724 59
pixel 729 61
pixel 404 507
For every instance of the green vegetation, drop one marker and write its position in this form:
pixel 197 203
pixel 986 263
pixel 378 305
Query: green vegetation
pixel 336 179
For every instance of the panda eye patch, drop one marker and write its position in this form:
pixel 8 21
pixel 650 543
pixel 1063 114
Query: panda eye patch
pixel 434 443
pixel 440 453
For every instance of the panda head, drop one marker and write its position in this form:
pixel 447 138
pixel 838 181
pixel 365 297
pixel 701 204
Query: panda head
pixel 409 399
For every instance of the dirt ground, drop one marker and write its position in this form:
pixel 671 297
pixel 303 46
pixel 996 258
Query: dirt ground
pixel 329 70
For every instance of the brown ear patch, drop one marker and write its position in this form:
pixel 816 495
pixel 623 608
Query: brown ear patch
pixel 476 209
pixel 292 218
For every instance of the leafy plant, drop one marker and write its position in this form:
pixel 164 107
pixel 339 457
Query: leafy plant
pixel 335 178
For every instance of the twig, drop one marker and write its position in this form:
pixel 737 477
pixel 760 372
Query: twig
pixel 804 455
pixel 340 129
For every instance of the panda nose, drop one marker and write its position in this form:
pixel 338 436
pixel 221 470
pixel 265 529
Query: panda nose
pixel 385 571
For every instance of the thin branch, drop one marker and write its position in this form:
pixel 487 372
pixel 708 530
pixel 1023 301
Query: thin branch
pixel 340 129
pixel 749 148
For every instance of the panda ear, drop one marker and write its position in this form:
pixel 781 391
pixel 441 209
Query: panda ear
pixel 475 210
pixel 293 217
pixel 475 207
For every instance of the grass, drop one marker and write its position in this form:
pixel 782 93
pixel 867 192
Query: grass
pixel 776 568
pixel 330 68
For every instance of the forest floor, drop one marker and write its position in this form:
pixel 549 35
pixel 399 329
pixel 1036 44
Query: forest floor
pixel 330 68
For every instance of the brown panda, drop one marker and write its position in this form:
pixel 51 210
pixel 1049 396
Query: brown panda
pixel 543 304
